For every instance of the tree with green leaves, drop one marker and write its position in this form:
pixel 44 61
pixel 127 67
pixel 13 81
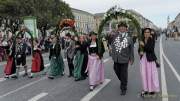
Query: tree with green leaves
pixel 47 12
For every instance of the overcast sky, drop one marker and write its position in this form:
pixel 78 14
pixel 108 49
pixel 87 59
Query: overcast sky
pixel 155 10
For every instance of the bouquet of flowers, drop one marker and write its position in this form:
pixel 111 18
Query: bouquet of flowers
pixel 67 23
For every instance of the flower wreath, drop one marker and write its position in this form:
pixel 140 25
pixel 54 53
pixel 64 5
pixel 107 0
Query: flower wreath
pixel 114 13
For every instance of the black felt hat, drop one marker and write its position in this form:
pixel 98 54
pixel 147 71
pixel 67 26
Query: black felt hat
pixel 68 35
pixel 122 24
pixel 92 33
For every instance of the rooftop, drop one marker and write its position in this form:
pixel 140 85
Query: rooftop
pixel 78 10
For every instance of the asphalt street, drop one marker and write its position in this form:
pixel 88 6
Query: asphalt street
pixel 63 88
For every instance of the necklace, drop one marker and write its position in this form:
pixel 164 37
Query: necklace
pixel 120 43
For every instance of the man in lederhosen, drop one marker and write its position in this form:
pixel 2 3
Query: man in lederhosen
pixel 20 56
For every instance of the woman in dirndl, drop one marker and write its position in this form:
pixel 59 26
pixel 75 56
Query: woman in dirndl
pixel 148 69
pixel 56 67
pixel 10 67
pixel 81 59
pixel 95 66
pixel 37 60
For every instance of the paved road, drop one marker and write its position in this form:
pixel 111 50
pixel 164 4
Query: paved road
pixel 28 61
pixel 172 52
pixel 66 89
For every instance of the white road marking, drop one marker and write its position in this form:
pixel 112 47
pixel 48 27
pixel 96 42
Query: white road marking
pixel 172 67
pixel 90 95
pixel 163 77
pixel 39 96
pixel 34 82
pixel 29 70
pixel 22 72
pixel 2 79
pixel 18 89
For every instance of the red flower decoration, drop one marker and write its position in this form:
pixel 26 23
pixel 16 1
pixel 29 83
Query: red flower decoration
pixel 67 23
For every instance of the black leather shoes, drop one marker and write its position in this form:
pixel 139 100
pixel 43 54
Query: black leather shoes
pixel 123 92
pixel 14 77
pixel 51 77
pixel 26 74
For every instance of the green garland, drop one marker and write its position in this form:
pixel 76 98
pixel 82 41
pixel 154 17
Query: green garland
pixel 19 33
pixel 114 13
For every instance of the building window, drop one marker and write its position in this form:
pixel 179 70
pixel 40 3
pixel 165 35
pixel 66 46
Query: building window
pixel 77 24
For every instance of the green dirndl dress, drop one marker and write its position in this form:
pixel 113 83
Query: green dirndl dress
pixel 78 62
pixel 56 66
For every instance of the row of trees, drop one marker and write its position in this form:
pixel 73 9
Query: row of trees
pixel 47 12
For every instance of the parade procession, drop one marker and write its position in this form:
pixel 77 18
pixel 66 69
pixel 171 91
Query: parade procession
pixel 54 50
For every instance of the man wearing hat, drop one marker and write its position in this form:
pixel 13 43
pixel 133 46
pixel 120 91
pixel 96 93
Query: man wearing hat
pixel 122 55
pixel 20 54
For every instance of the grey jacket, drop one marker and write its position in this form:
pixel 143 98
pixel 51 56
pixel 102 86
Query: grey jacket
pixel 122 48
pixel 70 49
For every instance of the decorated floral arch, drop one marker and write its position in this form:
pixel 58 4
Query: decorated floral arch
pixel 15 36
pixel 114 13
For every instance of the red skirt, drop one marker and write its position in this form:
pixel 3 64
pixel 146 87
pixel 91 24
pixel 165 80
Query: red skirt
pixel 36 63
pixel 10 67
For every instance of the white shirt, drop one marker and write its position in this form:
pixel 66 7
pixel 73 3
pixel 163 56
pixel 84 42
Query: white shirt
pixel 93 44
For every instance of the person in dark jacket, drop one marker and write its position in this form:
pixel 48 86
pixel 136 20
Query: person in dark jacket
pixel 148 68
pixel 56 67
pixel 122 54
pixel 70 52
pixel 80 59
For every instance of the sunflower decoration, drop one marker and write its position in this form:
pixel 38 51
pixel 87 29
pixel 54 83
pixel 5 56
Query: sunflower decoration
pixel 67 23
